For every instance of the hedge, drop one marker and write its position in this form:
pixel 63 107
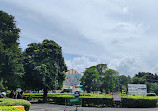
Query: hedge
pixel 8 108
pixel 103 100
pixel 108 102
pixel 13 102
pixel 139 103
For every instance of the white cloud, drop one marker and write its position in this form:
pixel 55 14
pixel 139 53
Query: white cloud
pixel 128 65
pixel 81 63
pixel 125 65
pixel 108 30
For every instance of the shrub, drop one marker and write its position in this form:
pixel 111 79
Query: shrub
pixel 13 102
pixel 108 102
pixel 8 108
pixel 151 94
pixel 139 103
pixel 105 100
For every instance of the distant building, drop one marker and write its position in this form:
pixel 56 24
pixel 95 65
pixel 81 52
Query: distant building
pixel 72 79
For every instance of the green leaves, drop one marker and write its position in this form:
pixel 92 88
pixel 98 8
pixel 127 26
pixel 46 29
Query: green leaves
pixel 99 78
pixel 11 67
pixel 44 65
pixel 90 79
pixel 13 102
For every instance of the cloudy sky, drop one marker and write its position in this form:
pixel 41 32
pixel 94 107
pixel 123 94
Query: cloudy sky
pixel 120 33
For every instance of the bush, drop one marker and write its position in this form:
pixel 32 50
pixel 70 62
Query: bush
pixel 13 102
pixel 139 103
pixel 97 102
pixel 151 94
pixel 108 102
pixel 8 108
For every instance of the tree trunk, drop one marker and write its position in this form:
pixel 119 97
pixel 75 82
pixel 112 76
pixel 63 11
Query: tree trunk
pixel 45 95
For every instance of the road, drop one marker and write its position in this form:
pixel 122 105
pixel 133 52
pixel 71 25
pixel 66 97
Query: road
pixel 54 107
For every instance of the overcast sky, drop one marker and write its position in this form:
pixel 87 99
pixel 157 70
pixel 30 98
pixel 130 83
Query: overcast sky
pixel 120 33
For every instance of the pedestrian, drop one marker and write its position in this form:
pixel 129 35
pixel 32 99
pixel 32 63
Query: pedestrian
pixel 15 95
pixel 21 95
pixel 3 94
pixel 11 95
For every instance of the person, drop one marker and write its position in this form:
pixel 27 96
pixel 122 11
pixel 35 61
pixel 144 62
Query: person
pixel 3 94
pixel 15 95
pixel 20 95
pixel 11 95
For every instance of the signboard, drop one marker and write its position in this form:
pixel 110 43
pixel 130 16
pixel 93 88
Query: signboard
pixel 137 89
pixel 77 94
pixel 117 97
pixel 74 100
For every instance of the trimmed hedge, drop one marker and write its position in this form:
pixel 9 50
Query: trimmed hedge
pixel 139 103
pixel 13 102
pixel 102 100
pixel 108 102
pixel 8 108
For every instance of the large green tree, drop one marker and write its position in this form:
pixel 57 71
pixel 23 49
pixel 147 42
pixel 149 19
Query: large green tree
pixel 11 67
pixel 44 66
pixel 145 78
pixel 90 80
pixel 109 81
pixel 99 78
pixel 122 81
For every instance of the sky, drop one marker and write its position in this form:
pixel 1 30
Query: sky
pixel 120 33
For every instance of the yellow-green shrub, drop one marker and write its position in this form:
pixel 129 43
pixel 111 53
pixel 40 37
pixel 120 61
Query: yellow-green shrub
pixel 13 102
pixel 8 108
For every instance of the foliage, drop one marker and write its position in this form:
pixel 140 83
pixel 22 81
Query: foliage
pixel 109 81
pixel 44 66
pixel 1 84
pixel 150 94
pixel 99 78
pixel 137 103
pixel 146 78
pixel 90 95
pixel 9 108
pixel 153 88
pixel 107 100
pixel 122 82
pixel 11 67
pixel 13 102
pixel 90 80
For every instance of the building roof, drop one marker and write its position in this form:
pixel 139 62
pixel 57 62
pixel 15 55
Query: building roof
pixel 71 71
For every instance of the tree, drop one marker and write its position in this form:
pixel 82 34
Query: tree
pixel 44 66
pixel 145 78
pixel 99 78
pixel 90 80
pixel 109 81
pixel 122 82
pixel 11 67
pixel 153 88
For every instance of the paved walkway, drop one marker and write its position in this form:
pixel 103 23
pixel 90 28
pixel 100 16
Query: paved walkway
pixel 54 107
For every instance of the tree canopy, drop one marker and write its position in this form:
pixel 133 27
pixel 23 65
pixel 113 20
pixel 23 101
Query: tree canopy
pixel 11 67
pixel 151 80
pixel 44 66
pixel 99 78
